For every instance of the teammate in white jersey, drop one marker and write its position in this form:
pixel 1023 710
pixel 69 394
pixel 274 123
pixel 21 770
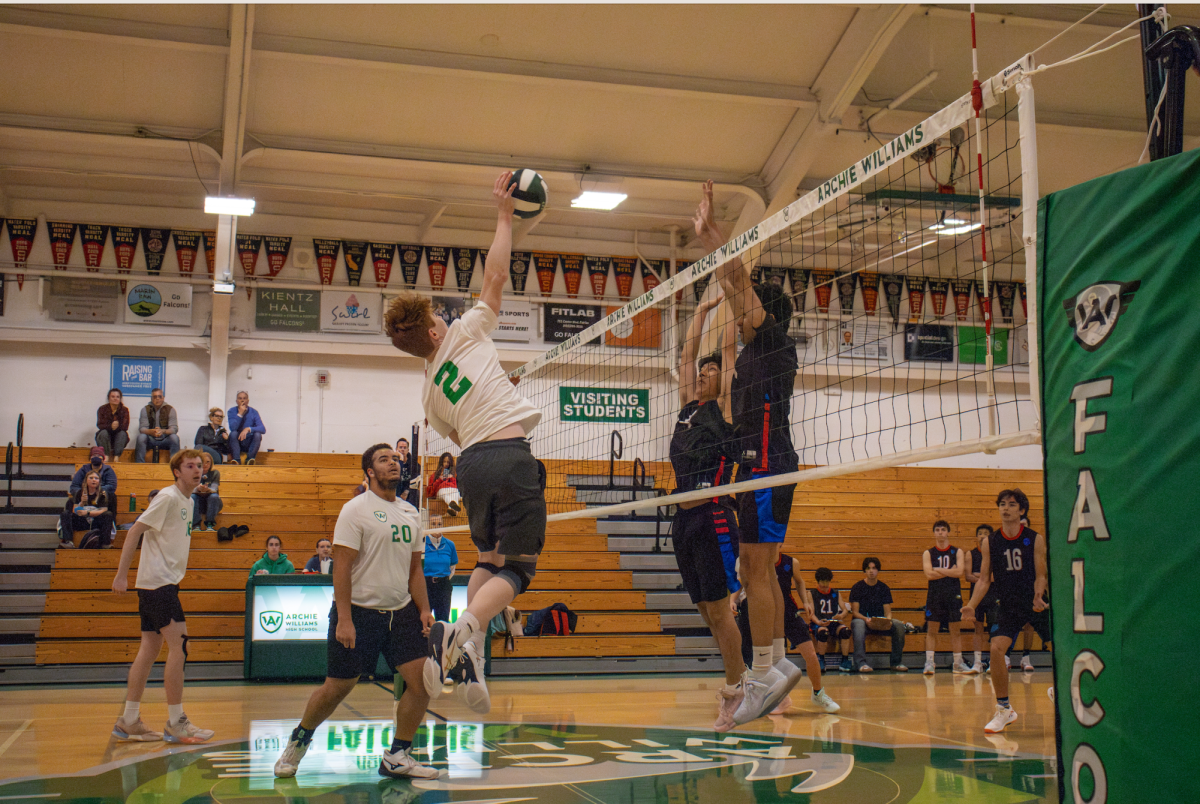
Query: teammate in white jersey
pixel 469 399
pixel 164 531
pixel 379 606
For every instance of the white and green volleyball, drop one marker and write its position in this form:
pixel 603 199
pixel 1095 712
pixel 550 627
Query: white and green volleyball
pixel 529 194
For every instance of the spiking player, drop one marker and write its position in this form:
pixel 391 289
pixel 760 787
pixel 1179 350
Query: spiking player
pixel 469 399
pixel 1014 564
pixel 761 397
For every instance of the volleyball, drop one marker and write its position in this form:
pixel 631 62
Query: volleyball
pixel 529 193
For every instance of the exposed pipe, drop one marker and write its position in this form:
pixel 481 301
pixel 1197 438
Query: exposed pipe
pixel 903 96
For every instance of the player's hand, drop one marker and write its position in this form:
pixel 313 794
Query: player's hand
pixel 345 634
pixel 120 584
pixel 502 192
pixel 1039 602
pixel 703 221
pixel 967 613
pixel 427 621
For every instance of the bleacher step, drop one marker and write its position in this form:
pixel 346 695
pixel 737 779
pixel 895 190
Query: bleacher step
pixel 21 521
pixel 18 654
pixel 57 485
pixel 690 645
pixel 640 544
pixel 38 558
pixel 657 580
pixel 681 620
pixel 601 481
pixel 19 625
pixel 635 527
pixel 649 561
pixel 611 497
pixel 22 603
pixel 28 540
pixel 668 601
pixel 24 580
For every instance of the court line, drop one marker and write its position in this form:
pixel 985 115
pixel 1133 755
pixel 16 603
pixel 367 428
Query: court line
pixel 917 733
pixel 393 693
pixel 13 737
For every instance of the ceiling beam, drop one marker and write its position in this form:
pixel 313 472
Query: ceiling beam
pixel 237 93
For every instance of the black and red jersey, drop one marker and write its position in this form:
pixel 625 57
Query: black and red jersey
pixel 701 447
pixel 761 398
pixel 1013 568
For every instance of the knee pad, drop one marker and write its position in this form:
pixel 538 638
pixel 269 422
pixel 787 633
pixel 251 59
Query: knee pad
pixel 821 634
pixel 484 565
pixel 519 574
pixel 843 632
pixel 185 651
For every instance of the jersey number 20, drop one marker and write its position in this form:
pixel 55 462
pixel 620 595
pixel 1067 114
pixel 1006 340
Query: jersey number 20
pixel 446 377
pixel 402 533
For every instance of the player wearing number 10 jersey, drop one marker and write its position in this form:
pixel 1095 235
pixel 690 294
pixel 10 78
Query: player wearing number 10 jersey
pixel 468 398
pixel 1014 565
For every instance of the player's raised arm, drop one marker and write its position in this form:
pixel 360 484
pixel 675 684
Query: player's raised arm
pixel 732 275
pixel 495 267
pixel 691 347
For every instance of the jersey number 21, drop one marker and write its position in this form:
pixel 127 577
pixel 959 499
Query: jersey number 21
pixel 446 377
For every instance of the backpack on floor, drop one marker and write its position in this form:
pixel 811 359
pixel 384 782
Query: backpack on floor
pixel 92 540
pixel 506 624
pixel 556 620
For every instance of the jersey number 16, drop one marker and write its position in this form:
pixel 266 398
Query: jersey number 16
pixel 1013 557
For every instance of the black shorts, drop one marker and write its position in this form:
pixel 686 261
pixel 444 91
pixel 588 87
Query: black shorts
pixel 504 491
pixel 943 607
pixel 705 539
pixel 828 633
pixel 397 634
pixel 796 630
pixel 1012 619
pixel 763 514
pixel 159 607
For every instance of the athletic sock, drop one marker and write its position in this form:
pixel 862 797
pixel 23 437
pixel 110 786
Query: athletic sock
pixel 1003 702
pixel 929 656
pixel 778 650
pixel 302 735
pixel 132 711
pixel 732 688
pixel 399 745
pixel 762 661
pixel 958 658
pixel 978 658
pixel 174 712
pixel 467 626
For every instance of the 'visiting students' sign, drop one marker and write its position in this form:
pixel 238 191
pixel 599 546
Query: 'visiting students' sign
pixel 630 406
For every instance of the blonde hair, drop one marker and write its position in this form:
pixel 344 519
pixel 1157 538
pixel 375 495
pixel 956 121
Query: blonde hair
pixel 407 323
pixel 211 411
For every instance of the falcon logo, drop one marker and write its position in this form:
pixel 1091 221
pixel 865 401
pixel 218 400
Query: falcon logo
pixel 270 621
pixel 1094 311
pixel 381 516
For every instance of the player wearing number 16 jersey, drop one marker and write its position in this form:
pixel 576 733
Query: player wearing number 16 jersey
pixel 469 399
pixel 1014 566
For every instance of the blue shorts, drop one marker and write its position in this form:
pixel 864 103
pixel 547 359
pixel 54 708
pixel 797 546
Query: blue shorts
pixel 763 514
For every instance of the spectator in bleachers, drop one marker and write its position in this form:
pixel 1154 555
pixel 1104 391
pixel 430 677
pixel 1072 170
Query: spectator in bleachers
pixel 206 502
pixel 213 439
pixel 108 477
pixel 88 508
pixel 443 484
pixel 943 566
pixel 112 426
pixel 441 560
pixel 246 430
pixel 987 611
pixel 158 427
pixel 872 598
pixel 322 562
pixel 409 472
pixel 829 613
pixel 274 561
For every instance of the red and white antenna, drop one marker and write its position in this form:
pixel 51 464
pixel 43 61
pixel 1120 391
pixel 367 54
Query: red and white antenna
pixel 986 301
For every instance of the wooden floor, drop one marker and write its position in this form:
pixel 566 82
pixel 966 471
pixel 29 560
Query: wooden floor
pixel 65 730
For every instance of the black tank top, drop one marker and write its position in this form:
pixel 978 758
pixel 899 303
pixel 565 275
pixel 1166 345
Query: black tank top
pixel 701 447
pixel 944 559
pixel 826 606
pixel 761 398
pixel 1013 570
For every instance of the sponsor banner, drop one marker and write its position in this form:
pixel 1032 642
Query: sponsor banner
pixel 93 300
pixel 643 330
pixel 125 240
pixel 410 264
pixel 327 254
pixel 21 232
pixel 138 376
pixel 1007 293
pixel 382 257
pixel 358 311
pixel 290 613
pixel 93 237
pixel 287 310
pixel 916 298
pixel 157 302
pixel 870 290
pixel 354 254
pixel 62 240
pixel 546 264
pixel 822 286
pixel 961 288
pixel 624 267
pixel 1021 288
pixel 210 251
pixel 563 321
pixel 515 322
pixel 798 278
pixel 652 273
pixel 248 246
pixel 187 246
pixel 845 287
pixel 518 270
pixel 278 249
pixel 464 266
pixel 572 267
pixel 597 268
pixel 860 339
pixel 938 290
pixel 893 288
pixel 154 246
pixel 618 405
pixel 931 343
pixel 972 345
pixel 436 260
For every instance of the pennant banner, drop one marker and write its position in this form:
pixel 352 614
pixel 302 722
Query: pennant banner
pixel 210 251
pixel 187 246
pixel 62 240
pixel 154 245
pixel 624 267
pixel 125 240
pixel 961 288
pixel 354 253
pixel 327 254
pixel 382 257
pixel 410 264
pixel 21 232
pixel 248 246
pixel 916 298
pixel 775 275
pixel 93 237
pixel 699 286
pixel 870 290
pixel 1024 303
pixel 597 268
pixel 652 273
pixel 546 264
pixel 1007 291
pixel 845 286
pixel 436 259
pixel 893 288
pixel 572 266
pixel 938 289
pixel 822 281
pixel 518 270
pixel 798 277
pixel 278 249
pixel 464 266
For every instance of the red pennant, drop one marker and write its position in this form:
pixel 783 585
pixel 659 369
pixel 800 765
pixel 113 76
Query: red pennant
pixel 624 267
pixel 651 274
pixel 327 254
pixel 125 240
pixel 985 307
pixel 916 298
pixel 210 251
pixel 21 232
pixel 62 240
pixel 382 257
pixel 870 290
pixel 93 237
pixel 938 290
pixel 572 266
pixel 436 259
pixel 546 264
pixel 961 288
pixel 823 287
pixel 278 249
pixel 187 246
pixel 597 268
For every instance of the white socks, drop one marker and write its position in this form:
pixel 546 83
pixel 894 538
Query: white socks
pixel 174 712
pixel 978 658
pixel 778 650
pixel 958 658
pixel 929 656
pixel 762 661
pixel 132 712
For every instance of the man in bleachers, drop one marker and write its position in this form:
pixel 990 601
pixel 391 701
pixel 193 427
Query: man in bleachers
pixel 108 478
pixel 158 427
pixel 829 613
pixel 870 605
pixel 943 566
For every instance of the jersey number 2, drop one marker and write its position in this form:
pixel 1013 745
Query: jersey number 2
pixel 446 377
pixel 1014 560
pixel 402 533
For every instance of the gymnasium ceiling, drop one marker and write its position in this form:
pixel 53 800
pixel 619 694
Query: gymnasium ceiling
pixel 391 121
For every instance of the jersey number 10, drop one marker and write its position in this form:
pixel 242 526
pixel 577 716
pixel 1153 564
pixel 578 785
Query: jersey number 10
pixel 446 377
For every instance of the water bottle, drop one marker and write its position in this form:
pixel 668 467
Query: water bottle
pixel 132 503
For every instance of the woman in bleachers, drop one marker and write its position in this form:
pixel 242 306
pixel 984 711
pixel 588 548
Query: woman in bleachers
pixel 213 439
pixel 90 508
pixel 206 503
pixel 274 561
pixel 443 484
pixel 112 425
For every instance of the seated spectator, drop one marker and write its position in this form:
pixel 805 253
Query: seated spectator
pixel 872 598
pixel 112 426
pixel 206 503
pixel 443 484
pixel 88 508
pixel 441 560
pixel 212 438
pixel 158 427
pixel 409 472
pixel 829 614
pixel 322 562
pixel 274 561
pixel 108 477
pixel 246 430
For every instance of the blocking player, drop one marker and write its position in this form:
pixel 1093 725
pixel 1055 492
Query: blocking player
pixel 761 396
pixel 830 613
pixel 943 564
pixel 469 399
pixel 164 531
pixel 982 663
pixel 1014 565
pixel 379 606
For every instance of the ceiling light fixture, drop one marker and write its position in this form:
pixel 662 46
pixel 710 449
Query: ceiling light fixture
pixel 591 199
pixel 219 205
